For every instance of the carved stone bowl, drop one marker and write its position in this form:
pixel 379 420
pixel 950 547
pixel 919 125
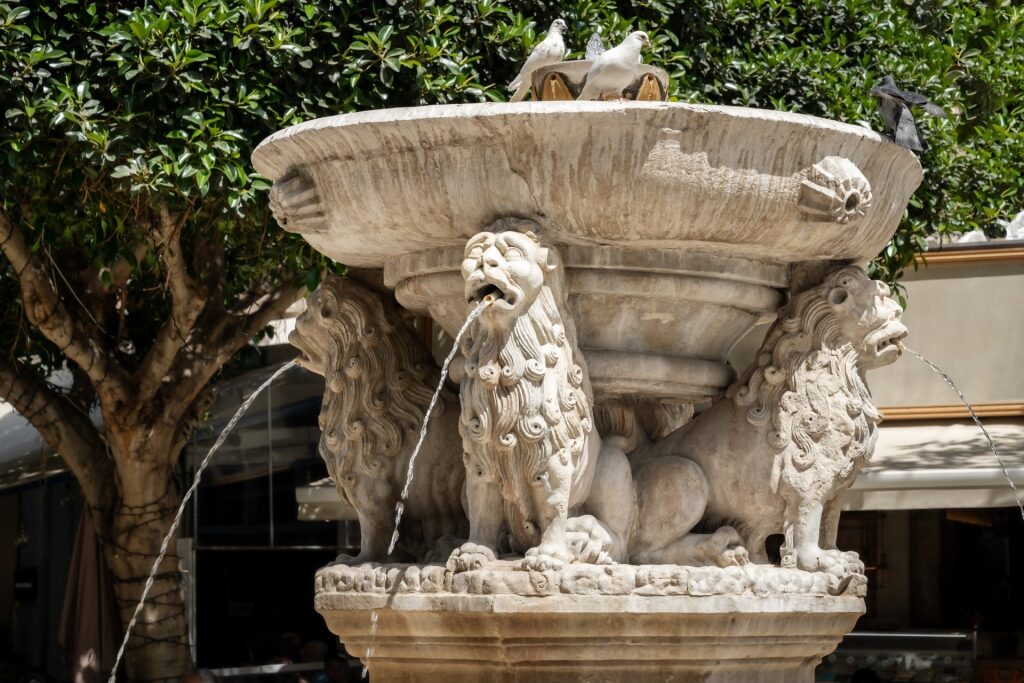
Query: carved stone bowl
pixel 616 624
pixel 565 81
pixel 677 223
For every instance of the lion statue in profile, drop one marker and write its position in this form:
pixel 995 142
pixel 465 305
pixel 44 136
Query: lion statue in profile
pixel 778 453
pixel 379 379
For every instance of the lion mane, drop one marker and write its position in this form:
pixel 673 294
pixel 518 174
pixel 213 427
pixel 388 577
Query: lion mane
pixel 807 385
pixel 526 399
pixel 379 379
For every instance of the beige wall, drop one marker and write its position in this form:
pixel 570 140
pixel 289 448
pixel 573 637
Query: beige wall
pixel 967 318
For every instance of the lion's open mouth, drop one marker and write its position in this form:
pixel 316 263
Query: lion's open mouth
pixel 489 292
pixel 890 344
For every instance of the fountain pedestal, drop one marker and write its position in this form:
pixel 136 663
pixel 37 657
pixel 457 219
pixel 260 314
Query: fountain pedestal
pixel 610 624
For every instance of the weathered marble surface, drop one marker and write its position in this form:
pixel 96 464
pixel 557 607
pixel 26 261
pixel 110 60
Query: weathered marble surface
pixel 653 323
pixel 636 175
pixel 337 584
pixel 615 624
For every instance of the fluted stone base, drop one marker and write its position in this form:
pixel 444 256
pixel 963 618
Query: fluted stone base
pixel 606 624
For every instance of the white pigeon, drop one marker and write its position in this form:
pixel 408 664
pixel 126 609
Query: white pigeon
pixel 551 50
pixel 615 69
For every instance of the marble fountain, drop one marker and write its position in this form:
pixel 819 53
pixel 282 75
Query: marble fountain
pixel 570 518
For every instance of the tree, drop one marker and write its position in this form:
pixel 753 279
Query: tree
pixel 139 254
pixel 138 250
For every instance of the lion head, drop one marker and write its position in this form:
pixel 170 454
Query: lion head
pixel 379 377
pixel 509 269
pixel 867 316
pixel 807 383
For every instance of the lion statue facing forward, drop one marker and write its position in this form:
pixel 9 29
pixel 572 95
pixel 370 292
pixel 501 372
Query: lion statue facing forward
pixel 529 442
pixel 779 453
pixel 379 382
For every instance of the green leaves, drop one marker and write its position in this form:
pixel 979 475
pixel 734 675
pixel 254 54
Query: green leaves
pixel 161 103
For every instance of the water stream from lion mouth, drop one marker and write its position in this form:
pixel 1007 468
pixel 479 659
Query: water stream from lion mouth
pixel 974 416
pixel 400 505
pixel 184 501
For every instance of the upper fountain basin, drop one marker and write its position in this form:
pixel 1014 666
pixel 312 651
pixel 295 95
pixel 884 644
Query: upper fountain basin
pixel 676 223
pixel 367 187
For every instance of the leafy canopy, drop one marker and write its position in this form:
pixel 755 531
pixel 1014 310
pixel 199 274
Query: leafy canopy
pixel 112 109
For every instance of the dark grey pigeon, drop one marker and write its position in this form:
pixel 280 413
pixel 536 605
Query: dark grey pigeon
pixel 595 46
pixel 895 106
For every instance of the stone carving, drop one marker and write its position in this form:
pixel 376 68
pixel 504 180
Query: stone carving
pixel 527 425
pixel 835 190
pixel 532 454
pixel 379 381
pixel 779 454
pixel 501 577
pixel 295 204
pixel 635 421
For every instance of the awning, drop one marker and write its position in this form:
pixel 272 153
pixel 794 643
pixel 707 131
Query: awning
pixel 915 467
pixel 24 457
pixel 941 465
pixel 319 501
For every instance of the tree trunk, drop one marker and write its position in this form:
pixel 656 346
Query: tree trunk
pixel 158 648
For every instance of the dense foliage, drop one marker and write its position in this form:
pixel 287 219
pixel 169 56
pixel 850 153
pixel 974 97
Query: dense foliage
pixel 109 104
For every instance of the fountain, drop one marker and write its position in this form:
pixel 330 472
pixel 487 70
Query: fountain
pixel 569 518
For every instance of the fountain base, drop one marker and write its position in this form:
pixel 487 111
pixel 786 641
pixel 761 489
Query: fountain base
pixel 753 623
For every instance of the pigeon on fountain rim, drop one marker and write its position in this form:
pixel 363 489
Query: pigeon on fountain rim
pixel 615 69
pixel 895 106
pixel 551 50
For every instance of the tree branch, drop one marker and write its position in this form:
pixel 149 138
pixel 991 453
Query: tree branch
pixel 194 371
pixel 188 299
pixel 64 429
pixel 45 310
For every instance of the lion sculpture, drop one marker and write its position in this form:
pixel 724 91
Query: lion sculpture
pixel 527 426
pixel 777 455
pixel 379 381
pixel 536 467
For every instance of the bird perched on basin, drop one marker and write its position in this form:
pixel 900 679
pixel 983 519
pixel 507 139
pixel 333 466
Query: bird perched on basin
pixel 551 50
pixel 895 107
pixel 614 69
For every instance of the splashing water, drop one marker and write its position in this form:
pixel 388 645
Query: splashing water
pixel 977 421
pixel 184 501
pixel 400 505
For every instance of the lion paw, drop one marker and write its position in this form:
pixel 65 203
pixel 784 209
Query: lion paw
pixel 734 557
pixel 589 542
pixel 443 548
pixel 836 562
pixel 470 556
pixel 546 557
pixel 724 548
pixel 346 560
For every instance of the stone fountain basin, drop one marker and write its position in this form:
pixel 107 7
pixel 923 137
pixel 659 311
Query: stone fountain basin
pixel 678 222
pixel 613 623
